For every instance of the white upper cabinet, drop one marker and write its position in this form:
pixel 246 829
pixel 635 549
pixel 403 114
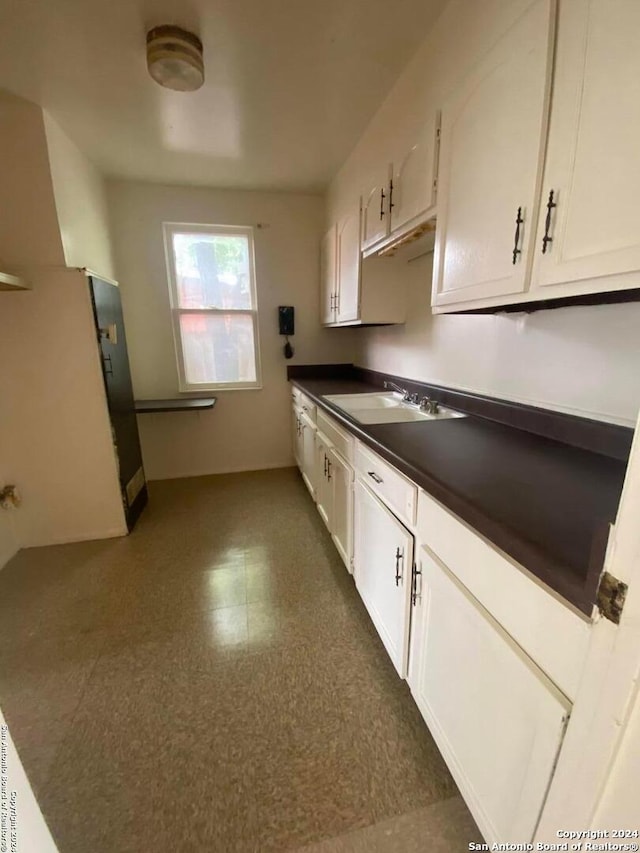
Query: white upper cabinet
pixel 375 207
pixel 593 155
pixel 348 266
pixel 328 276
pixel 413 184
pixel 493 130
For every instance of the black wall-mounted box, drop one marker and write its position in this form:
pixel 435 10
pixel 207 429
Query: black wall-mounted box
pixel 286 320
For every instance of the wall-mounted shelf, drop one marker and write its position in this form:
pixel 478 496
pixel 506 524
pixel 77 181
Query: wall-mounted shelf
pixel 186 404
pixel 12 282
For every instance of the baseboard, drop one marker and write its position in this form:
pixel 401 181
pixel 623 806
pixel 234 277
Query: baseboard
pixel 234 470
pixel 112 533
pixel 8 555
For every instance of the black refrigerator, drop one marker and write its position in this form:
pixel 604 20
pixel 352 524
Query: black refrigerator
pixel 107 312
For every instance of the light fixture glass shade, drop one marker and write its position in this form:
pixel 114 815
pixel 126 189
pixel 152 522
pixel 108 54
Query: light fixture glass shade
pixel 174 58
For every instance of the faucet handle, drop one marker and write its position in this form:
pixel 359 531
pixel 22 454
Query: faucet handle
pixel 429 406
pixel 411 398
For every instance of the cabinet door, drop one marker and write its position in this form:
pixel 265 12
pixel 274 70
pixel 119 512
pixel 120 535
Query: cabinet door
pixel 328 278
pixel 383 559
pixel 341 481
pixel 324 491
pixel 308 453
pixel 592 164
pixel 349 266
pixel 497 719
pixel 296 436
pixel 375 208
pixel 490 166
pixel 414 174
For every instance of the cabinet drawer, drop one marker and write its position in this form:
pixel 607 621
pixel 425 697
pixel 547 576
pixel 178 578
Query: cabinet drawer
pixel 341 440
pixel 395 490
pixel 303 402
pixel 552 634
pixel 308 407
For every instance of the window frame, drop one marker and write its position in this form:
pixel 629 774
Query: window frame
pixel 171 228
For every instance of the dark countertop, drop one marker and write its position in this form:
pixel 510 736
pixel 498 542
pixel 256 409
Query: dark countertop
pixel 545 503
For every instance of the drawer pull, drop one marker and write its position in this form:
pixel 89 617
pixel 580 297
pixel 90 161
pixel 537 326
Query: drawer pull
pixel 374 477
pixel 398 561
pixel 328 470
pixel 325 465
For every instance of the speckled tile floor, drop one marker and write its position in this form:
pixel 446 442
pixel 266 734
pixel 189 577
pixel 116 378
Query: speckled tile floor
pixel 213 683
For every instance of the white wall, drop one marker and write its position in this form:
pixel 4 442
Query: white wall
pixel 55 436
pixel 581 360
pixel 247 429
pixel 28 222
pixel 81 204
pixel 59 449
pixel 8 536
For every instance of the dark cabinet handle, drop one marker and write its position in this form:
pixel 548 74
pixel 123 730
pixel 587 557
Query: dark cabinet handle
pixel 391 204
pixel 414 584
pixel 328 470
pixel 325 465
pixel 382 198
pixel 516 241
pixel 374 477
pixel 398 561
pixel 547 223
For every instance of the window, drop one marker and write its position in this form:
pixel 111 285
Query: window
pixel 213 302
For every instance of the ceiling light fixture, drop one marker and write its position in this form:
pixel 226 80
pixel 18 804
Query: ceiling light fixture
pixel 174 58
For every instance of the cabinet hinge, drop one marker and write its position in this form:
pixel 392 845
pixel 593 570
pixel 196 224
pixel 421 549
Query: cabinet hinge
pixel 612 594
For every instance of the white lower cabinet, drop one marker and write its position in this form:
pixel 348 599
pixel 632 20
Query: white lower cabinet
pixel 383 564
pixel 324 462
pixel 497 719
pixel 341 527
pixel 308 453
pixel 493 661
pixel 324 487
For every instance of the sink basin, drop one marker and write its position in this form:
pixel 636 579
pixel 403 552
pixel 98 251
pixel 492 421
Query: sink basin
pixel 356 402
pixel 387 408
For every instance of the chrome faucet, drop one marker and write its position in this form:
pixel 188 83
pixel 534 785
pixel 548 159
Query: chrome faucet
pixel 405 394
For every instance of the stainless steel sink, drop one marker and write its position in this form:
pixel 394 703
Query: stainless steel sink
pixel 386 408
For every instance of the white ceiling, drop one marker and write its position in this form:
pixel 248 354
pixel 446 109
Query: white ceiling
pixel 290 84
